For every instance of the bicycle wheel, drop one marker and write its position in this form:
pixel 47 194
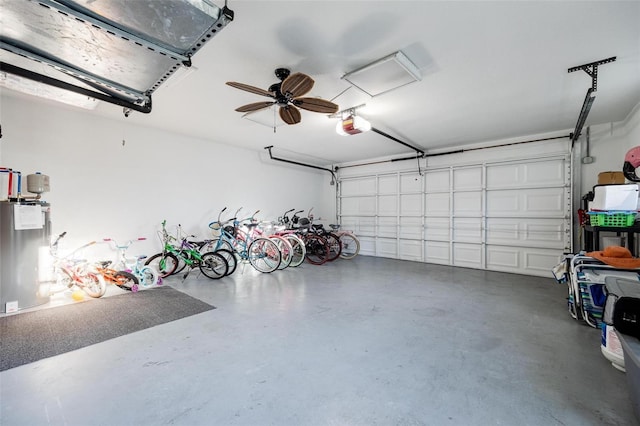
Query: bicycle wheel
pixel 94 285
pixel 335 247
pixel 264 255
pixel 165 263
pixel 350 246
pixel 298 250
pixel 317 249
pixel 231 259
pixel 126 280
pixel 286 251
pixel 213 265
pixel 148 276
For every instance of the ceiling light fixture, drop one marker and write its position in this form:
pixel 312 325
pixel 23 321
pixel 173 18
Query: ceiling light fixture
pixel 384 75
pixel 352 125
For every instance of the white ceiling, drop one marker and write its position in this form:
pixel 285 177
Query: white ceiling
pixel 490 71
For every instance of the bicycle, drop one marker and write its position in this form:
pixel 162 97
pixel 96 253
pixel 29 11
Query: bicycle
pixel 350 243
pixel 298 249
pixel 79 273
pixel 146 276
pixel 317 248
pixel 262 253
pixel 335 246
pixel 212 265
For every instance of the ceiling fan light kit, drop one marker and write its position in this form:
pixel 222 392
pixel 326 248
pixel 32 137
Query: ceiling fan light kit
pixel 288 94
pixel 385 74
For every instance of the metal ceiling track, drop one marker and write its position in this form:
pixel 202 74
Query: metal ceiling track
pixel 268 148
pixel 592 70
pixel 125 50
pixel 21 72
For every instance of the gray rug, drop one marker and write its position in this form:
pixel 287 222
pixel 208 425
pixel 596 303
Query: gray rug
pixel 31 336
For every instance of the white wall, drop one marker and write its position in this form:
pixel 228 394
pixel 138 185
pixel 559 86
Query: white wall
pixel 608 145
pixel 102 187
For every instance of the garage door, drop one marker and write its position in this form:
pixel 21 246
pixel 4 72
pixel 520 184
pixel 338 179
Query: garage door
pixel 512 216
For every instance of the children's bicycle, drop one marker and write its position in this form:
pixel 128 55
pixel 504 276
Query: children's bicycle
pixel 212 265
pixel 147 276
pixel 72 272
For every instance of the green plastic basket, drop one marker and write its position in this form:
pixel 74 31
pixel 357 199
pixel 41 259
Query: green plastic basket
pixel 612 219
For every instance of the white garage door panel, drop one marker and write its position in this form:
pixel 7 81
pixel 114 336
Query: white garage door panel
pixel 437 204
pixel 360 225
pixel 467 178
pixel 410 183
pixel 530 203
pixel 388 184
pixel 545 233
pixel 437 181
pixel 350 187
pixel 359 206
pixel 367 246
pixel 467 204
pixel 387 247
pixel 467 255
pixel 387 204
pixel 437 252
pixel 387 227
pixel 520 260
pixel 437 228
pixel 540 262
pixel 503 258
pixel 411 228
pixel 411 250
pixel 411 204
pixel 467 230
pixel 542 173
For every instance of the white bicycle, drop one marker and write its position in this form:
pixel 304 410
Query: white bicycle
pixel 147 275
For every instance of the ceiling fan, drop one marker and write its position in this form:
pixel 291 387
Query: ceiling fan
pixel 288 95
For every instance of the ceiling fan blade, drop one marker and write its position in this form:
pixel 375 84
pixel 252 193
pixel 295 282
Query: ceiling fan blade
pixel 248 88
pixel 316 105
pixel 297 84
pixel 254 106
pixel 290 114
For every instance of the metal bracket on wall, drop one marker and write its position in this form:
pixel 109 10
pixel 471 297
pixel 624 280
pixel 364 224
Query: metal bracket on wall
pixel 333 176
pixel 592 70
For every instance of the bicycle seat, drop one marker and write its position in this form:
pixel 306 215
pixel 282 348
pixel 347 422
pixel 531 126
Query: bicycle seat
pixel 334 226
pixel 303 221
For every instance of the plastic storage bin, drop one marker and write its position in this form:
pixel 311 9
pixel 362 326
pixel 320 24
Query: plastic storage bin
pixel 615 197
pixel 631 350
pixel 612 218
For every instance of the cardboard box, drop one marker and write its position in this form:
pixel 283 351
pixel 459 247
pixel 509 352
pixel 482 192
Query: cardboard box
pixel 608 178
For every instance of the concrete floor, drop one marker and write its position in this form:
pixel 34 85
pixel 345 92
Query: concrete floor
pixel 364 342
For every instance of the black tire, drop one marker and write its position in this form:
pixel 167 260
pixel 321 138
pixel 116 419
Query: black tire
pixel 231 259
pixel 165 263
pixel 335 246
pixel 126 281
pixel 317 249
pixel 181 263
pixel 214 265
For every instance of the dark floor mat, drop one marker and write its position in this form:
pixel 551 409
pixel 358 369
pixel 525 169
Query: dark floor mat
pixel 31 336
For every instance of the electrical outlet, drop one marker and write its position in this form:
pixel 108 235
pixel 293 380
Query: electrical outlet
pixel 588 160
pixel 12 307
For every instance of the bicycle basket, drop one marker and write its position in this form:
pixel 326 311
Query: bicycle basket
pixel 215 229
